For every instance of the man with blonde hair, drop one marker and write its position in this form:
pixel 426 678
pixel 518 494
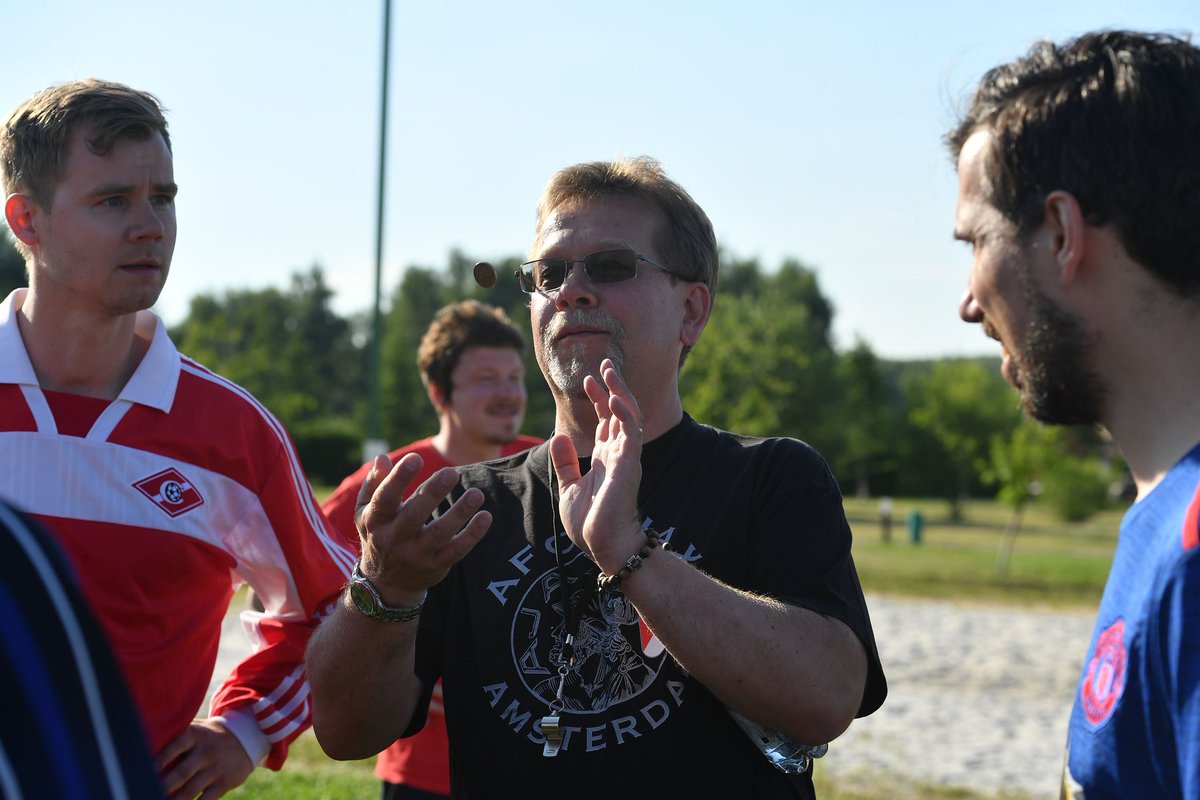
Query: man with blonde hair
pixel 165 484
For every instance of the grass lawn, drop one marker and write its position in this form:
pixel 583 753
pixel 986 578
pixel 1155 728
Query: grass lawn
pixel 1052 562
pixel 310 775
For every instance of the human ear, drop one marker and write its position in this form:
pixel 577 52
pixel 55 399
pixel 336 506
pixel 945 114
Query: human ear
pixel 1064 218
pixel 697 305
pixel 435 396
pixel 19 212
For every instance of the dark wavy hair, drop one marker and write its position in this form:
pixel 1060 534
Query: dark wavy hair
pixel 1112 117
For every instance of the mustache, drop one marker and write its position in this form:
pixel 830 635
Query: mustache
pixel 589 317
pixel 990 331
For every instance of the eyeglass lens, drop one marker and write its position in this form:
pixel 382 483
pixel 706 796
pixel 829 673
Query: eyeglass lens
pixel 609 266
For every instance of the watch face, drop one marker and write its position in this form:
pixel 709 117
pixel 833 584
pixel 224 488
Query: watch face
pixel 362 598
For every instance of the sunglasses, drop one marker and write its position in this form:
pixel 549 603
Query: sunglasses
pixel 546 275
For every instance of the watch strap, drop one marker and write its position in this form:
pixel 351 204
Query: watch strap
pixel 371 603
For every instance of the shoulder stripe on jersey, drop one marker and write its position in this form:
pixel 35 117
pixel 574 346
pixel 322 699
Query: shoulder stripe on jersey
pixel 88 680
pixel 1191 523
pixel 339 554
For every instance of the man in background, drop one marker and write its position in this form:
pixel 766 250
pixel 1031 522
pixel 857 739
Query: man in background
pixel 471 364
pixel 165 484
pixel 1079 192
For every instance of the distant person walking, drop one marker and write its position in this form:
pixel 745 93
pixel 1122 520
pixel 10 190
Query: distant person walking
pixel 1079 192
pixel 471 364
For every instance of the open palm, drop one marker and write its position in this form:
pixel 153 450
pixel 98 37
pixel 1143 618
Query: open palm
pixel 599 509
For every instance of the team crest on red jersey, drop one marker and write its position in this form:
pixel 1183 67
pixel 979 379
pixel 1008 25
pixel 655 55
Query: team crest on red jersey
pixel 170 491
pixel 1104 681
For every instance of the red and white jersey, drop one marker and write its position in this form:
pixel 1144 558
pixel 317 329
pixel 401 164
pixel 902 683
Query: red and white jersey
pixel 165 500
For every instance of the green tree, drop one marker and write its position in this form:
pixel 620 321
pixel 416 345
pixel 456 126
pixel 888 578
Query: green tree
pixel 12 267
pixel 870 419
pixel 765 365
pixel 405 409
pixel 1054 464
pixel 295 355
pixel 740 277
pixel 287 347
pixel 962 405
pixel 1015 463
pixel 1076 487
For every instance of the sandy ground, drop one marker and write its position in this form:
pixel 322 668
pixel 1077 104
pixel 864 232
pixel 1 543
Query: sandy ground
pixel 978 696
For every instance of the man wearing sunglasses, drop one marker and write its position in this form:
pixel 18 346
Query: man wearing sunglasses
pixel 647 585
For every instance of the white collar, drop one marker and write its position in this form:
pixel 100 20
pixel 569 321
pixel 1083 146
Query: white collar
pixel 152 384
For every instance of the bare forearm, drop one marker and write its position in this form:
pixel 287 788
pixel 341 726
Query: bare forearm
pixel 364 690
pixel 784 667
pixel 360 669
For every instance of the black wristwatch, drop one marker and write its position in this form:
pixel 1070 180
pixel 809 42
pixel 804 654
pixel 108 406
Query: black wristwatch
pixel 366 599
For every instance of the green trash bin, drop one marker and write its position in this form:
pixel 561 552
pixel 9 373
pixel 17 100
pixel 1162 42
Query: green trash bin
pixel 915 522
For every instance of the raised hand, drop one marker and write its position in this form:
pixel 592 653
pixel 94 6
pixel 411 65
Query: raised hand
pixel 599 509
pixel 404 552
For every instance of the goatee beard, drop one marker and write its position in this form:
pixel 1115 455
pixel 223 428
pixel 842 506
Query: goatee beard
pixel 566 370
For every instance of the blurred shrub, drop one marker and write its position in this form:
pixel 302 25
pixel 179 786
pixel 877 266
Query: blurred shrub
pixel 1076 488
pixel 330 448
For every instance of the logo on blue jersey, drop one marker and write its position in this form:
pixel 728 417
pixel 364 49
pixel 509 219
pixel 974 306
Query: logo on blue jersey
pixel 1104 681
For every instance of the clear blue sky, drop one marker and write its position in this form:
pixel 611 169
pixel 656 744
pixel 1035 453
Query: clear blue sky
pixel 805 130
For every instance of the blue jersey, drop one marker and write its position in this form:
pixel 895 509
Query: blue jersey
pixel 68 729
pixel 1135 725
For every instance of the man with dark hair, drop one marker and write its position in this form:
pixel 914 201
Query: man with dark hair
pixel 165 484
pixel 471 365
pixel 1079 191
pixel 580 654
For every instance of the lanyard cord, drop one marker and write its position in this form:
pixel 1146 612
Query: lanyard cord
pixel 573 613
pixel 570 625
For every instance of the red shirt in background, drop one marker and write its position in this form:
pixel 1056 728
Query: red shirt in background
pixel 421 761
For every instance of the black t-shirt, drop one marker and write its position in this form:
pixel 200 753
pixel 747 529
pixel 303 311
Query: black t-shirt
pixel 764 515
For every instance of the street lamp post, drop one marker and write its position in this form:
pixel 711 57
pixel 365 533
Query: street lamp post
pixel 374 444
